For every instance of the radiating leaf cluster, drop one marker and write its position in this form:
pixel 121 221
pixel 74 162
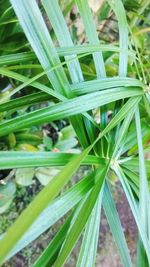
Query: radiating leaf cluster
pixel 113 141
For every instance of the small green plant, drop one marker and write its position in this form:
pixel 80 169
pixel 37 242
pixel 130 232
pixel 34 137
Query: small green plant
pixel 109 115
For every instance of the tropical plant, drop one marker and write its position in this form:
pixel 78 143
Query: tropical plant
pixel 109 114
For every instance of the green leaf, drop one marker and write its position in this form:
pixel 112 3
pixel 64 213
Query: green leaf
pixel 122 132
pixel 49 254
pixel 24 101
pixel 90 29
pixel 131 103
pixel 119 10
pixel 28 216
pixel 48 143
pixel 7 193
pixel 89 244
pixel 16 58
pixel 62 33
pixel 80 218
pixel 66 145
pixel 45 175
pixel 143 185
pixel 68 108
pixel 61 51
pixel 141 259
pixel 115 226
pixel 134 209
pixel 26 81
pixel 23 159
pixel 58 208
pixel 36 31
pixel 133 164
pixel 105 83
pixel 133 180
pixel 24 176
pixel 131 140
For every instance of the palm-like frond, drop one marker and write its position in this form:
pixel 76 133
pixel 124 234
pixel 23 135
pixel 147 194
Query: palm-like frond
pixel 77 99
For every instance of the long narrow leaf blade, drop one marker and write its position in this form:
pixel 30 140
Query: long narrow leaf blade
pixel 48 256
pixel 68 108
pixel 92 35
pixel 115 227
pixel 19 159
pixel 119 10
pixel 36 31
pixel 143 194
pixel 58 208
pixel 29 215
pixel 79 222
pixel 88 249
pixel 134 208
